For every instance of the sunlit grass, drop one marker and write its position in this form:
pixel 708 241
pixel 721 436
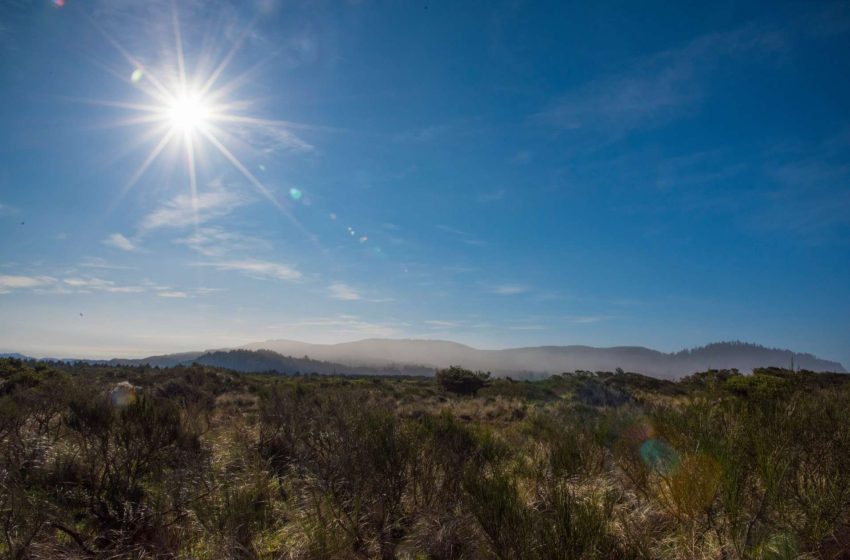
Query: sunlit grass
pixel 205 463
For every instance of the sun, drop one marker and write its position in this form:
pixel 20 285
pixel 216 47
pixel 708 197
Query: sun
pixel 188 113
pixel 195 111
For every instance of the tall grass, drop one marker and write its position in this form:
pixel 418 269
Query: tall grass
pixel 208 464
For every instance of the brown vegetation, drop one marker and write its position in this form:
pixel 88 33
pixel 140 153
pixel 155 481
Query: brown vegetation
pixel 196 462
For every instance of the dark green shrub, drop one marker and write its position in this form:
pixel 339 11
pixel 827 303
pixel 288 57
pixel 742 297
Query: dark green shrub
pixel 461 381
pixel 596 393
pixel 758 385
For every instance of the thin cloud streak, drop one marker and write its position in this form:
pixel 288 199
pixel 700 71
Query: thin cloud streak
pixel 465 237
pixel 118 241
pixel 260 270
pixel 14 282
pixel 174 294
pixel 101 263
pixel 181 211
pixel 492 196
pixel 341 291
pixel 215 241
pixel 509 289
pixel 657 88
pixel 6 210
pixel 100 285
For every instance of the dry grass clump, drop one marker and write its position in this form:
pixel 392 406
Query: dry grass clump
pixel 204 464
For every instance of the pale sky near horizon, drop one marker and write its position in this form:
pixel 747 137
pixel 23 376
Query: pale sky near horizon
pixel 513 173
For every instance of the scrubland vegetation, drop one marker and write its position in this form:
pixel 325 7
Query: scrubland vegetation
pixel 204 463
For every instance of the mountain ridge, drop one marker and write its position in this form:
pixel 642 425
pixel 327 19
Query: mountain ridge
pixel 422 356
pixel 552 358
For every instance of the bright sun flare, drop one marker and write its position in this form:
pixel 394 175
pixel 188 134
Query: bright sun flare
pixel 188 112
pixel 194 112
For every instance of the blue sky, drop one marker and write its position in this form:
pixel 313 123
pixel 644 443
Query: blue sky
pixel 496 173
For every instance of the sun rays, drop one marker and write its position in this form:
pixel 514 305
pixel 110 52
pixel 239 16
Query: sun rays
pixel 191 111
pixel 192 105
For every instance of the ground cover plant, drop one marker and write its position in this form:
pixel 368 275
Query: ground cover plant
pixel 102 461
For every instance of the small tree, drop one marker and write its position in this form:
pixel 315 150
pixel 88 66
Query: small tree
pixel 461 381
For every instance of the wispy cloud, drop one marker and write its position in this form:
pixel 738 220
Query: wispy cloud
pixel 87 282
pixel 118 241
pixel 49 285
pixel 450 327
pixel 442 324
pixel 11 282
pixel 6 210
pixel 657 88
pixel 181 293
pixel 218 242
pixel 100 285
pixel 465 237
pixel 339 290
pixel 261 270
pixel 492 196
pixel 272 137
pixel 99 262
pixel 450 229
pixel 829 19
pixel 811 198
pixel 175 294
pixel 508 289
pixel 182 211
pixel 803 191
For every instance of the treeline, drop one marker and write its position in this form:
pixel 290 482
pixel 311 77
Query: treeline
pixel 267 361
pixel 200 462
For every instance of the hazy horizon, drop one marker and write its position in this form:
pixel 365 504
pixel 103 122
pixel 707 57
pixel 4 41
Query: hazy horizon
pixel 378 356
pixel 180 176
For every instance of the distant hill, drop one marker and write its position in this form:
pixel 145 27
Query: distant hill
pixel 15 356
pixel 165 360
pixel 259 361
pixel 420 357
pixel 249 361
pixel 550 359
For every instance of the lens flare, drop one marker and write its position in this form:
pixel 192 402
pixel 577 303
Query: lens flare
pixel 659 456
pixel 295 194
pixel 197 111
pixel 123 394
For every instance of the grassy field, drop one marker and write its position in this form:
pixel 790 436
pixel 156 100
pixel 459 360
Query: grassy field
pixel 195 462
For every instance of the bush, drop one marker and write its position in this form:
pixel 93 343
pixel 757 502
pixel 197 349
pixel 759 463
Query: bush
pixel 461 381
pixel 207 464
